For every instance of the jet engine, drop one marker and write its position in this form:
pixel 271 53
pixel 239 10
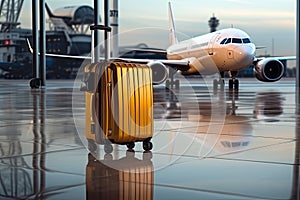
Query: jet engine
pixel 269 70
pixel 159 72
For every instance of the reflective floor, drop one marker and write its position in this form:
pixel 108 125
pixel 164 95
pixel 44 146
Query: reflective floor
pixel 206 145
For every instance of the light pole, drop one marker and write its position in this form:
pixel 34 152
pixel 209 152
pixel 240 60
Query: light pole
pixel 297 58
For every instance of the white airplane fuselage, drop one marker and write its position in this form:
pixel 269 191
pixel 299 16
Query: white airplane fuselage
pixel 207 54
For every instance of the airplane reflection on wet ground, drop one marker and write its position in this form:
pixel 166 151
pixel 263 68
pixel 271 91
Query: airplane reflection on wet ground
pixel 250 152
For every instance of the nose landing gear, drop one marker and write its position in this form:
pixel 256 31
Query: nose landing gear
pixel 220 82
pixel 233 82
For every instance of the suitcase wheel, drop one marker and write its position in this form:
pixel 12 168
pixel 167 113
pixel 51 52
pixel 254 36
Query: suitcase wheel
pixel 108 148
pixel 130 145
pixel 35 83
pixel 147 145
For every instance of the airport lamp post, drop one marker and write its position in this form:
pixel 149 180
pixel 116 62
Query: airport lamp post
pixel 35 72
pixel 42 64
pixel 106 24
pixel 96 33
pixel 297 57
pixel 39 44
pixel 114 14
pixel 96 38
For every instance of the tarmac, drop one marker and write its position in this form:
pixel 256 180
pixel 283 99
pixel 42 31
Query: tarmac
pixel 223 144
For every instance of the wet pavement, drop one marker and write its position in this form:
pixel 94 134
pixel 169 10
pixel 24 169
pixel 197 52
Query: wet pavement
pixel 207 145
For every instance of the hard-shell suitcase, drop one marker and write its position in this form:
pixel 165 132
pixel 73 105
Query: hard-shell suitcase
pixel 132 180
pixel 119 104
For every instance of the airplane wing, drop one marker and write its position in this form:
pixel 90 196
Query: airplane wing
pixel 260 47
pixel 176 64
pixel 285 58
pixel 277 58
pixel 148 50
pixel 58 55
pixel 182 65
pixel 68 56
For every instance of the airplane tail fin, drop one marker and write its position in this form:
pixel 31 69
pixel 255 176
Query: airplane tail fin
pixel 173 37
pixel 29 46
pixel 49 12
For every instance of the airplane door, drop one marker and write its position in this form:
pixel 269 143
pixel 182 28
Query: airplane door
pixel 212 43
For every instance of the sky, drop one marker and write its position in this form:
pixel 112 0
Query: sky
pixel 147 20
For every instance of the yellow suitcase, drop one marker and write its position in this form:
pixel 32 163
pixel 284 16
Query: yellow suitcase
pixel 133 180
pixel 119 104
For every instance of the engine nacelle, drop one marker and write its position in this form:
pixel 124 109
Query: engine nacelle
pixel 159 72
pixel 269 70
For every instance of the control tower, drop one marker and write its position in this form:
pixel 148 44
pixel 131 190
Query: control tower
pixel 213 23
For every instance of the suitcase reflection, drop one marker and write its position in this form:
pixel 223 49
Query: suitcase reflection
pixel 133 180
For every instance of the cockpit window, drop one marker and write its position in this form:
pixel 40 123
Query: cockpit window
pixel 228 41
pixel 246 40
pixel 223 41
pixel 237 40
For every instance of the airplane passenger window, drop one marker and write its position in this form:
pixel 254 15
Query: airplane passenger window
pixel 236 144
pixel 246 40
pixel 245 143
pixel 236 40
pixel 226 144
pixel 223 41
pixel 228 41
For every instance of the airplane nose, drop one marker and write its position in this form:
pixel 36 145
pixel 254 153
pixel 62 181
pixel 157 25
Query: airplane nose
pixel 244 55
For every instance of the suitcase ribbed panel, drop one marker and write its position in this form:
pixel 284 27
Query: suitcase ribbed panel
pixel 131 103
pixel 126 104
pixel 149 101
pixel 136 94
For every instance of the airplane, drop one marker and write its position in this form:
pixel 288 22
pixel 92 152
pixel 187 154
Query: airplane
pixel 227 50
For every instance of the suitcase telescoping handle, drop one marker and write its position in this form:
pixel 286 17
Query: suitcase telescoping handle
pixel 95 52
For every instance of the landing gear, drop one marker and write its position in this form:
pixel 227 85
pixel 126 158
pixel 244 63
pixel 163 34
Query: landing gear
pixel 171 83
pixel 220 82
pixel 233 82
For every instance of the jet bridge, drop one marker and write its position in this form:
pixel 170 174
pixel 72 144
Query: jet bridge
pixel 75 15
pixel 75 19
